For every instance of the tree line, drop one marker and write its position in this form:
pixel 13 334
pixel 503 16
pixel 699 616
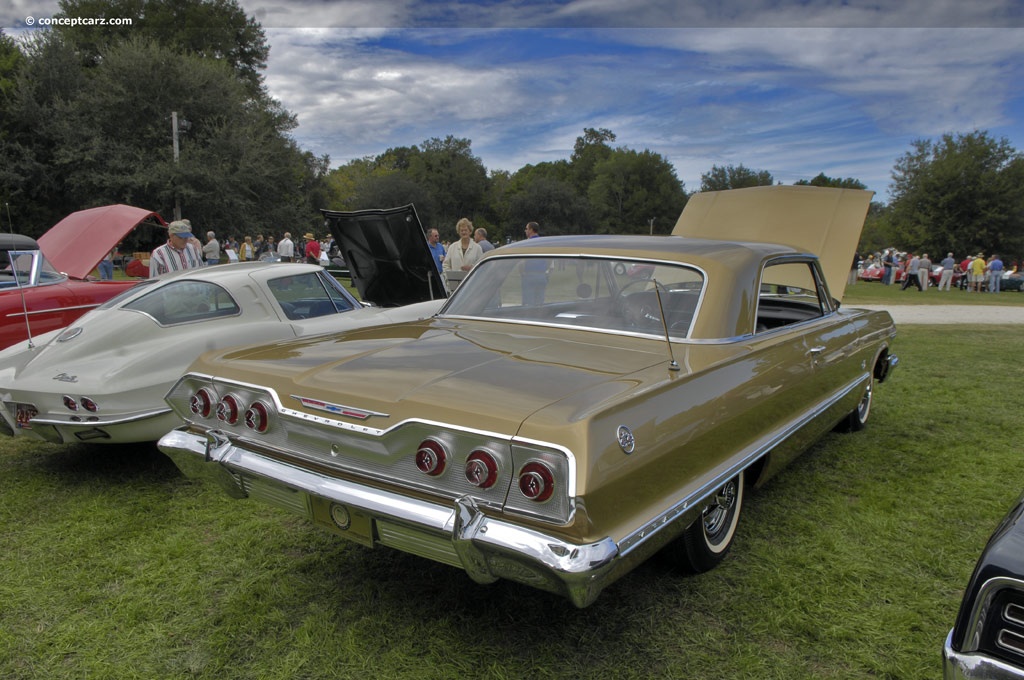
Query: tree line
pixel 85 120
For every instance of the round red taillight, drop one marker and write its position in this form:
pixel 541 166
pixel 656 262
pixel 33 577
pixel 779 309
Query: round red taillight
pixel 69 403
pixel 481 469
pixel 228 409
pixel 431 457
pixel 536 481
pixel 201 403
pixel 90 405
pixel 257 417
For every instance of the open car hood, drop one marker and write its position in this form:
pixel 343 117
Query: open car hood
pixel 387 253
pixel 824 221
pixel 77 243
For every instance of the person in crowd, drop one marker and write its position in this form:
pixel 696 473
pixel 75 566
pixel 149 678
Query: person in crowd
pixel 270 250
pixel 995 273
pixel 913 263
pixel 259 247
pixel 977 270
pixel 480 236
pixel 106 266
pixel 211 251
pixel 247 251
pixel 285 248
pixel 965 273
pixel 312 249
pixel 436 249
pixel 948 268
pixel 535 272
pixel 924 272
pixel 462 254
pixel 182 251
pixel 888 265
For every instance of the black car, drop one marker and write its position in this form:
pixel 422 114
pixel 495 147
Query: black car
pixel 987 640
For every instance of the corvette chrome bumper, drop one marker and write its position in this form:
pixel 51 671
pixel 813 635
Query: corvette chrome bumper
pixel 486 547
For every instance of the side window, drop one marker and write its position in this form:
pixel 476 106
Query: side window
pixel 306 297
pixel 790 293
pixel 186 302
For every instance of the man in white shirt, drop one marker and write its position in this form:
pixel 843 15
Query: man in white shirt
pixel 285 248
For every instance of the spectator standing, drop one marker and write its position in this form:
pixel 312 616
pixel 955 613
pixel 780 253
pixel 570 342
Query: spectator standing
pixel 535 272
pixel 211 251
pixel 995 274
pixel 312 249
pixel 965 273
pixel 948 265
pixel 436 249
pixel 888 263
pixel 913 263
pixel 462 254
pixel 924 272
pixel 285 248
pixel 259 247
pixel 182 251
pixel 106 266
pixel 480 236
pixel 977 270
pixel 247 251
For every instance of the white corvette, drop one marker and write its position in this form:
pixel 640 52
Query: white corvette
pixel 103 379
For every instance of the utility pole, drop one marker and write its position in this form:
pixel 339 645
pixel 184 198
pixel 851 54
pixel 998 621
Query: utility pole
pixel 651 221
pixel 174 138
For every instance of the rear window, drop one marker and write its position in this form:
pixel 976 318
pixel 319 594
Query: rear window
pixel 186 302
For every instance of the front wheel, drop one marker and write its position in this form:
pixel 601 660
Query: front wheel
pixel 705 542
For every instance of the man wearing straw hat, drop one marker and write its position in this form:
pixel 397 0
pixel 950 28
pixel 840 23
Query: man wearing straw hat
pixel 312 250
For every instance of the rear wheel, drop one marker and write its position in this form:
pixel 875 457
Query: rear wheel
pixel 705 542
pixel 857 419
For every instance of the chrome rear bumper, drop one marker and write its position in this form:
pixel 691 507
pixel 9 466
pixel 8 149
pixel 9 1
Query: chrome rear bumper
pixel 487 548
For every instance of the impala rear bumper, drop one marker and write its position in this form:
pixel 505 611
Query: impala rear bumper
pixel 459 534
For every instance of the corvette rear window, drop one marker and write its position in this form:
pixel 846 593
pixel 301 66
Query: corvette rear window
pixel 186 302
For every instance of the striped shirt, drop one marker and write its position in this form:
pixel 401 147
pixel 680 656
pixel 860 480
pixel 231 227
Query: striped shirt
pixel 167 258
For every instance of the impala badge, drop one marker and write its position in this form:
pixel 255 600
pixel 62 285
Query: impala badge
pixel 337 409
pixel 64 377
pixel 626 439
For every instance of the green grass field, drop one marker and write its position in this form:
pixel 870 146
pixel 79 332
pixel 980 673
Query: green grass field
pixel 850 564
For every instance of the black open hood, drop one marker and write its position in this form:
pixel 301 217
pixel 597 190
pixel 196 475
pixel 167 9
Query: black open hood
pixel 387 253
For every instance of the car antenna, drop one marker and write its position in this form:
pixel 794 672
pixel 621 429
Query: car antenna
pixel 14 272
pixel 673 365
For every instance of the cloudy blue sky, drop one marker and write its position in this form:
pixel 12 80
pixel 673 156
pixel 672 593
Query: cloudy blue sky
pixel 794 87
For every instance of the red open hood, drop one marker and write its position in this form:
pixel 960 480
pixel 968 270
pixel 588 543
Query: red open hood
pixel 77 243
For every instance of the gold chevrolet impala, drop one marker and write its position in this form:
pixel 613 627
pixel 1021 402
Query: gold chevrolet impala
pixel 577 404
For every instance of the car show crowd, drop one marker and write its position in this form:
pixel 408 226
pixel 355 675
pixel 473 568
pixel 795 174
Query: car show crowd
pixel 973 273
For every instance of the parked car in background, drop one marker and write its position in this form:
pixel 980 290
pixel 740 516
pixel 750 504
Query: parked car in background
pixel 987 639
pixel 558 420
pixel 46 285
pixel 1013 281
pixel 104 378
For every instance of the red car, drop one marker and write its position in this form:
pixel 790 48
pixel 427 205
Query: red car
pixel 46 285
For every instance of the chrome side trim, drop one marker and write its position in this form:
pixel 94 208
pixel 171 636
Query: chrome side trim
pixel 738 462
pixel 37 312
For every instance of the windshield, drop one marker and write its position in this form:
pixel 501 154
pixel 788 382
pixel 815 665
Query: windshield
pixel 595 293
pixel 26 268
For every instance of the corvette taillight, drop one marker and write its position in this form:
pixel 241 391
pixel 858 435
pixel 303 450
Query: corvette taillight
pixel 69 403
pixel 257 417
pixel 536 481
pixel 228 409
pixel 431 457
pixel 481 469
pixel 90 405
pixel 201 403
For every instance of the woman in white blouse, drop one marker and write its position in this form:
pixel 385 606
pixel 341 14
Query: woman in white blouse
pixel 462 254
